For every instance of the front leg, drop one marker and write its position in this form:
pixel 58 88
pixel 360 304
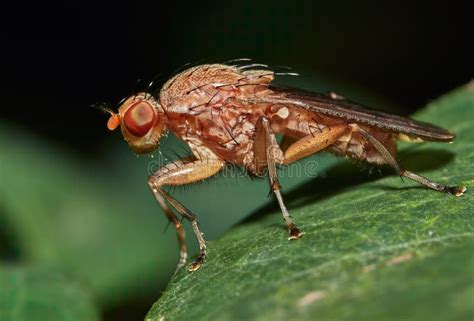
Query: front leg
pixel 181 173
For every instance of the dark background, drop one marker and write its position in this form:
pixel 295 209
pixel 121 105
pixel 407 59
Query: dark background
pixel 59 58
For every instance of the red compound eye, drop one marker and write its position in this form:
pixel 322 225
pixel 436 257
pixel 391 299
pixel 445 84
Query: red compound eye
pixel 139 118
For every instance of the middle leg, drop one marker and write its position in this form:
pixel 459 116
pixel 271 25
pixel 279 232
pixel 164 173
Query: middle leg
pixel 266 150
pixel 267 153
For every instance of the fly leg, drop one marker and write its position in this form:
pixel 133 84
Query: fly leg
pixel 183 253
pixel 311 144
pixel 454 190
pixel 266 150
pixel 180 173
pixel 266 153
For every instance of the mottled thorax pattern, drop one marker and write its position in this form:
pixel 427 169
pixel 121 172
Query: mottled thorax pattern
pixel 207 108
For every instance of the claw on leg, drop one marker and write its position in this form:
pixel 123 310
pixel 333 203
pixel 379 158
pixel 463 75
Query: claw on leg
pixel 457 190
pixel 294 232
pixel 197 263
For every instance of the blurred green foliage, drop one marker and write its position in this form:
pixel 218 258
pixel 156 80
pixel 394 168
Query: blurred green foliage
pixel 36 294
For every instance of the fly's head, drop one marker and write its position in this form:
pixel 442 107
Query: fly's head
pixel 142 122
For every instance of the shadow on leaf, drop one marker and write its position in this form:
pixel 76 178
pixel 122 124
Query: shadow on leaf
pixel 346 175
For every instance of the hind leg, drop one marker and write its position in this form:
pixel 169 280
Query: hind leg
pixel 454 190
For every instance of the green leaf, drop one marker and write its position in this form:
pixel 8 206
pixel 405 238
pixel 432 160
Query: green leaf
pixel 380 250
pixel 39 294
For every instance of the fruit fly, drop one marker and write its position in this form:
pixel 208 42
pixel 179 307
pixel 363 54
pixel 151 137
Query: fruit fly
pixel 231 114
